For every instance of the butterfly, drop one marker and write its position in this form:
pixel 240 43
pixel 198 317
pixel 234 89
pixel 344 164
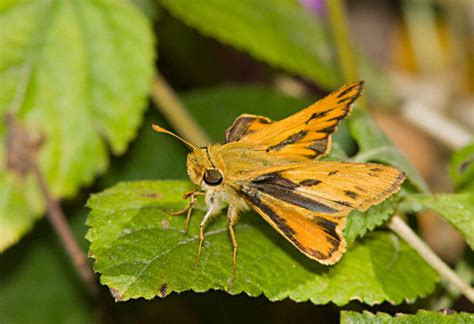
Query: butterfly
pixel 271 167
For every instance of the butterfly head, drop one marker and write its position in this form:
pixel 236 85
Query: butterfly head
pixel 200 166
pixel 202 170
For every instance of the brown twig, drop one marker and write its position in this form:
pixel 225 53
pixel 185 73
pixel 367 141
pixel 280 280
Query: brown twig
pixel 57 219
pixel 22 150
pixel 176 114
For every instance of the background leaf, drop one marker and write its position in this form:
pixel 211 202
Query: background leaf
pixel 457 209
pixel 141 251
pixel 421 317
pixel 20 205
pixel 37 275
pixel 461 168
pixel 148 7
pixel 375 146
pixel 296 41
pixel 78 73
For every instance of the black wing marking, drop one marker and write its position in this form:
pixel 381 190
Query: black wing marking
pixel 245 124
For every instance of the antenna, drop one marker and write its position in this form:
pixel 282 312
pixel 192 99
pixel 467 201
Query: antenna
pixel 162 130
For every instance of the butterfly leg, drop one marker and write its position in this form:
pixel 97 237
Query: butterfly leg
pixel 189 207
pixel 231 221
pixel 201 234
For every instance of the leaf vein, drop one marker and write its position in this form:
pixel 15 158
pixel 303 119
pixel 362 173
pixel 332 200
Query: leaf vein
pixel 155 258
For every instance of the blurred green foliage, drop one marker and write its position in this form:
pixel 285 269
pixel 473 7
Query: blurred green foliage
pixel 77 74
pixel 461 168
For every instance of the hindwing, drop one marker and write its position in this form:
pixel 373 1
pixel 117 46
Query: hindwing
pixel 317 235
pixel 244 125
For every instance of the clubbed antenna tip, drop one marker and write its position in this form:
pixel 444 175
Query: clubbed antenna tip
pixel 160 129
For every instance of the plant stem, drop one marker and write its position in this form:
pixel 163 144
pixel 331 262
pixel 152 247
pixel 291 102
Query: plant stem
pixel 176 114
pixel 345 52
pixel 55 216
pixel 398 226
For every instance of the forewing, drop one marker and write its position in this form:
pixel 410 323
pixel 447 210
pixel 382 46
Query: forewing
pixel 244 125
pixel 306 134
pixel 317 235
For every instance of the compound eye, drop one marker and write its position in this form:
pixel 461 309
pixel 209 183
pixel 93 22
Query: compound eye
pixel 213 177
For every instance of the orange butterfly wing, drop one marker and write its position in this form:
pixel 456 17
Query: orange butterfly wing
pixel 353 185
pixel 317 235
pixel 307 202
pixel 306 134
pixel 329 187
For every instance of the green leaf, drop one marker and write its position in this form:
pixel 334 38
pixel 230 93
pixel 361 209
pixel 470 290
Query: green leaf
pixel 148 7
pixel 375 146
pixel 283 33
pixel 421 317
pixel 358 223
pixel 457 209
pixel 20 205
pixel 141 251
pixel 150 156
pixel 461 168
pixel 78 73
pixel 38 283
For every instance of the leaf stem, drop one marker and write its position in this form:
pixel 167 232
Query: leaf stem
pixel 398 226
pixel 21 158
pixel 340 30
pixel 176 114
pixel 56 217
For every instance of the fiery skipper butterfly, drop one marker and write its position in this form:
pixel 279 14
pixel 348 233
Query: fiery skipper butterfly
pixel 270 167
